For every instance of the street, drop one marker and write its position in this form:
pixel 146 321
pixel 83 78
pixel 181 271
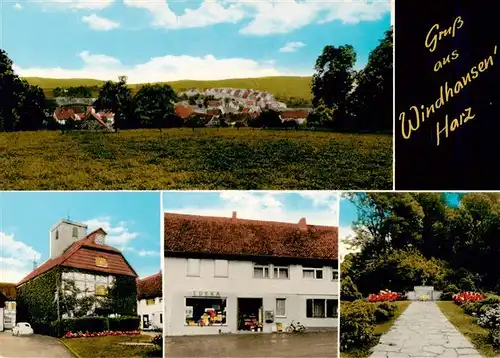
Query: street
pixel 318 345
pixel 31 346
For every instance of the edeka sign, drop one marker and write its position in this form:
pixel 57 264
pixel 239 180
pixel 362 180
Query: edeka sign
pixel 206 294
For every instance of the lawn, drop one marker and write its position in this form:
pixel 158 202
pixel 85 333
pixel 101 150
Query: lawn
pixel 379 330
pixel 280 86
pixel 476 334
pixel 110 347
pixel 205 159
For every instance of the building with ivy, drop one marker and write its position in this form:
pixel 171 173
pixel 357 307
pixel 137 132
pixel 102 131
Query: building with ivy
pixel 84 276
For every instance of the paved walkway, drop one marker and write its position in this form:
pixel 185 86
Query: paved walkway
pixel 423 331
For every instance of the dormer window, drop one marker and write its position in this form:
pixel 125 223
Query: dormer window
pixel 75 232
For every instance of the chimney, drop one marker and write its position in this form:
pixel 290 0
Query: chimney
pixel 234 215
pixel 302 224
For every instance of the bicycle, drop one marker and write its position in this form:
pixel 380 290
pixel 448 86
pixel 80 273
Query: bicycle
pixel 295 328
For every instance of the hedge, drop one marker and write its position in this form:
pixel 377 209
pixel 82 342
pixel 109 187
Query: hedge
pixel 125 323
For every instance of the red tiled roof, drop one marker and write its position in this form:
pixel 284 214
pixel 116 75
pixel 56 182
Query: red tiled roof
pixel 250 103
pixel 8 290
pixel 183 111
pixel 82 255
pixel 231 236
pixel 214 112
pixel 214 103
pixel 149 287
pixel 293 114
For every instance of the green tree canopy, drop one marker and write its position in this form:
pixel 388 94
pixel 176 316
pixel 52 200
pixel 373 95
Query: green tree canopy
pixel 155 105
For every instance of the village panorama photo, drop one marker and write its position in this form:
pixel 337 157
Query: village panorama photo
pixel 200 94
pixel 80 275
pixel 251 274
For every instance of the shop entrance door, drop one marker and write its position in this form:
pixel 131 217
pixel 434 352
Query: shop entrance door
pixel 250 314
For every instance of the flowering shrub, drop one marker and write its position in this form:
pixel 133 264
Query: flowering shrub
pixel 384 296
pixel 424 298
pixel 466 297
pixel 101 334
pixel 491 320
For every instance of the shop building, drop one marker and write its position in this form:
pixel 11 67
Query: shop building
pixel 229 275
pixel 149 302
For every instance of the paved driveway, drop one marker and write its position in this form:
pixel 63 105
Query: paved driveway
pixel 31 346
pixel 318 345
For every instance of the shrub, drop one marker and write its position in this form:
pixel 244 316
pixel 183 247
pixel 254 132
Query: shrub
pixel 356 324
pixel 124 323
pixel 491 318
pixel 84 324
pixel 385 311
pixel 384 296
pixel 448 292
pixel 348 290
pixel 464 297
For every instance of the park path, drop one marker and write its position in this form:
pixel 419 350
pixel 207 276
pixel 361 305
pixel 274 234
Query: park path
pixel 423 331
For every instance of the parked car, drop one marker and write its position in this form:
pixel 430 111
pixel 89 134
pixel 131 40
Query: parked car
pixel 22 329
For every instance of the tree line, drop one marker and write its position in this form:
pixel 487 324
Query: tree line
pixel 343 99
pixel 408 239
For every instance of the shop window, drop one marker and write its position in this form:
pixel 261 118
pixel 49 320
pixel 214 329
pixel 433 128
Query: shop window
pixel 280 272
pixel 313 273
pixel 150 301
pixel 321 308
pixel 335 275
pixel 280 307
pixel 221 268
pixel 260 271
pixel 205 311
pixel 193 267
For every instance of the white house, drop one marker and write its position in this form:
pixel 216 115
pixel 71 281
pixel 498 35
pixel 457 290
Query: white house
pixel 228 275
pixel 7 305
pixel 149 302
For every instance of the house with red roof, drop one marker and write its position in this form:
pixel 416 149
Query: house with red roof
pixel 150 302
pixel 230 275
pixel 80 259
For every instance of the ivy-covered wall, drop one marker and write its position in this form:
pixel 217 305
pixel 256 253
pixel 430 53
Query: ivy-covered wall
pixel 123 296
pixel 36 301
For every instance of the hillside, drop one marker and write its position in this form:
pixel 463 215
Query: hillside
pixel 282 87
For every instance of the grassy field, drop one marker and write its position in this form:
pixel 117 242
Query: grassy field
pixel 379 330
pixel 110 346
pixel 476 334
pixel 205 159
pixel 281 87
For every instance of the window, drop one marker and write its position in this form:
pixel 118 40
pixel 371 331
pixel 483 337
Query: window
pixel 193 267
pixel 335 275
pixel 150 301
pixel 75 232
pixel 161 318
pixel 260 271
pixel 205 311
pixel 321 308
pixel 57 234
pixel 280 272
pixel 221 268
pixel 313 273
pixel 280 307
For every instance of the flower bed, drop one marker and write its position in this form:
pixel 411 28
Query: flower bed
pixel 466 297
pixel 384 296
pixel 101 334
